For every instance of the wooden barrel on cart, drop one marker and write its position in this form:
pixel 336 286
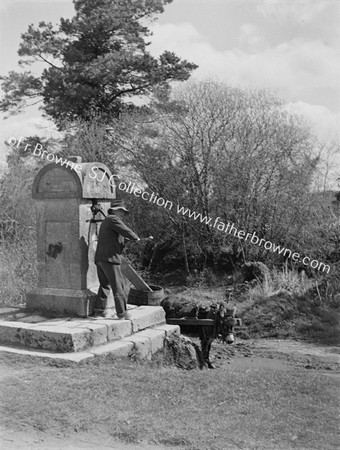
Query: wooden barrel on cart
pixel 151 298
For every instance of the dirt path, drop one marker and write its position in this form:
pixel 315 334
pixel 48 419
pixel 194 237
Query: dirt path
pixel 326 353
pixel 284 352
pixel 86 441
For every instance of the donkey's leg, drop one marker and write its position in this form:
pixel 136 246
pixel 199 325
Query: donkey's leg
pixel 206 341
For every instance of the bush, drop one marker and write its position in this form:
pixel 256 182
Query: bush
pixel 281 281
pixel 17 270
pixel 287 304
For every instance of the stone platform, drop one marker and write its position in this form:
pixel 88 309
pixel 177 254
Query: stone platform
pixel 76 339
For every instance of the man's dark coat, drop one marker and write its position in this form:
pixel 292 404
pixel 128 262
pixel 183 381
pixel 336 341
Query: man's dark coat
pixel 111 239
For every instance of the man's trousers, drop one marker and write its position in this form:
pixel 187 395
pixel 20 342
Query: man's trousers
pixel 110 275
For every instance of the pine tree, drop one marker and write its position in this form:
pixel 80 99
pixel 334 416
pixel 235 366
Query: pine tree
pixel 95 62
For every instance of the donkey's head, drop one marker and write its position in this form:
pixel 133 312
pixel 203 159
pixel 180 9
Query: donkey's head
pixel 225 322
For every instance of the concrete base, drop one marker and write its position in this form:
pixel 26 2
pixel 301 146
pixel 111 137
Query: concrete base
pixel 142 344
pixel 61 301
pixel 21 329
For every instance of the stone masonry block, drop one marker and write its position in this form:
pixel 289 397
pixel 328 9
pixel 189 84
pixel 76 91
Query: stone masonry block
pixel 9 333
pixel 156 338
pixel 120 349
pixel 75 340
pixel 99 332
pixel 76 357
pixel 118 329
pixel 147 316
pixel 58 339
pixel 65 301
pixel 169 330
pixel 142 345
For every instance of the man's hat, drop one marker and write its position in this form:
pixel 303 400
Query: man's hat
pixel 119 204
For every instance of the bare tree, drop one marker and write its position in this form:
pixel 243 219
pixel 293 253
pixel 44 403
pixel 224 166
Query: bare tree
pixel 222 152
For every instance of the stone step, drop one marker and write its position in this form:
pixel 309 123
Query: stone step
pixel 77 334
pixel 144 343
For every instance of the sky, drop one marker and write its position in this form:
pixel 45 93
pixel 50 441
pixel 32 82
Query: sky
pixel 291 47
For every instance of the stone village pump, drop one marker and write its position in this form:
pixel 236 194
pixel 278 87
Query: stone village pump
pixel 67 207
pixel 68 212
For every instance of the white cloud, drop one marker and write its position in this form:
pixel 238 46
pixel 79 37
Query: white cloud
pixel 323 121
pixel 24 125
pixel 251 37
pixel 303 73
pixel 6 4
pixel 297 10
pixel 298 69
pixel 326 126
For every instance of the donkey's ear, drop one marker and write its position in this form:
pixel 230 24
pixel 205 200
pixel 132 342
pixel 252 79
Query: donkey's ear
pixel 222 310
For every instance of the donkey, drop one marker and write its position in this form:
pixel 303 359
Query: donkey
pixel 222 315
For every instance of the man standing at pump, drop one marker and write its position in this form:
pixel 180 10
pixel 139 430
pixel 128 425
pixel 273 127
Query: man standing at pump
pixel 108 258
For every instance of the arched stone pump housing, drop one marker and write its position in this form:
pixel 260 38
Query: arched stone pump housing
pixel 66 237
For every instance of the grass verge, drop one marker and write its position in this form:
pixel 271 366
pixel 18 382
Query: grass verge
pixel 17 270
pixel 228 408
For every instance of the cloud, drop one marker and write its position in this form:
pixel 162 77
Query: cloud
pixel 326 126
pixel 251 37
pixel 304 73
pixel 296 10
pixel 6 4
pixel 24 125
pixel 298 70
pixel 325 122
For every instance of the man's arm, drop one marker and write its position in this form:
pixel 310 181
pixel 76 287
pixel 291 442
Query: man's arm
pixel 117 225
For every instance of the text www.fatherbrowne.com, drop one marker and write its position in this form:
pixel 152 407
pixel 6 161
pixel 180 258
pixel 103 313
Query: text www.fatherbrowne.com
pixel 228 228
